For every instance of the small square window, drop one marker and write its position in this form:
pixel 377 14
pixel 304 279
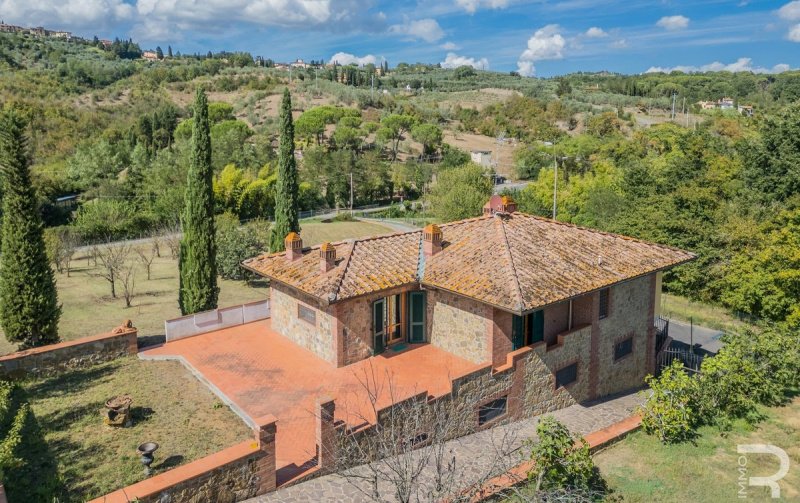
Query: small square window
pixel 492 410
pixel 567 375
pixel 604 296
pixel 306 314
pixel 623 348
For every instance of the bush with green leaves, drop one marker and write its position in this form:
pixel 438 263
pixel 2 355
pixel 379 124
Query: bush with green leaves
pixel 561 460
pixel 671 412
pixel 236 243
pixel 751 369
pixel 460 192
pixel 12 422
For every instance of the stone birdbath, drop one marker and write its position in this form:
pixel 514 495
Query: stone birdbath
pixel 118 411
pixel 146 451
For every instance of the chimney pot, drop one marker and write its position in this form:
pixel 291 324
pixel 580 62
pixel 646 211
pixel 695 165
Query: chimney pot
pixel 431 240
pixel 294 246
pixel 327 257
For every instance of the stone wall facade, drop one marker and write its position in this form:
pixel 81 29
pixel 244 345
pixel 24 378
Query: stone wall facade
pixel 630 315
pixel 70 355
pixel 235 474
pixel 461 326
pixel 317 337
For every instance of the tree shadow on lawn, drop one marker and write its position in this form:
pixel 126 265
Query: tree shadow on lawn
pixel 72 382
pixel 35 478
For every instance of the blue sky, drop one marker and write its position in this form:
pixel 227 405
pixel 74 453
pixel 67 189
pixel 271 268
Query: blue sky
pixel 541 38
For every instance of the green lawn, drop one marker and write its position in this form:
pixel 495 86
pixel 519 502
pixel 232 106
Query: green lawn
pixel 640 469
pixel 88 308
pixel 706 315
pixel 70 454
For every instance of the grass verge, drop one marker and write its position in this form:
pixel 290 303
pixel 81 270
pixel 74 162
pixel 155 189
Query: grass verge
pixel 640 469
pixel 707 315
pixel 72 456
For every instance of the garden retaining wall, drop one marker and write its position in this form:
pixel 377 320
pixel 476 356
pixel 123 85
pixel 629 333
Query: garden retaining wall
pixel 215 319
pixel 70 355
pixel 234 474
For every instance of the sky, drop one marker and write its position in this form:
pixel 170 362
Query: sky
pixel 536 38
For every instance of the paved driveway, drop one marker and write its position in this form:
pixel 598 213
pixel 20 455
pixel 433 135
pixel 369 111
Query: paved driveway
pixel 261 372
pixel 706 339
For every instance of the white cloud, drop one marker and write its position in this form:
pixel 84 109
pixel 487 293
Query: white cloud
pixel 595 32
pixel 425 29
pixel 450 46
pixel 794 33
pixel 65 13
pixel 790 11
pixel 159 19
pixel 344 58
pixel 619 44
pixel 546 43
pixel 454 61
pixel 473 5
pixel 673 22
pixel 740 65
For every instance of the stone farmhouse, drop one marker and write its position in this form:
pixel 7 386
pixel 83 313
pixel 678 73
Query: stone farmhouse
pixel 578 304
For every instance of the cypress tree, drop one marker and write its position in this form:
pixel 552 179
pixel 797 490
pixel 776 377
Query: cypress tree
pixel 286 198
pixel 198 289
pixel 29 309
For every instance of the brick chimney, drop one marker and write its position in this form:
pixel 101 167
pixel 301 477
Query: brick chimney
pixel 431 240
pixel 327 257
pixel 499 204
pixel 294 246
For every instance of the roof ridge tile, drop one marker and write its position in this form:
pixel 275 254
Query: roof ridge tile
pixel 500 228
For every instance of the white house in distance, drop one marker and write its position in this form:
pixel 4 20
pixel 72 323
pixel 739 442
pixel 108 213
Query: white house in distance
pixel 482 157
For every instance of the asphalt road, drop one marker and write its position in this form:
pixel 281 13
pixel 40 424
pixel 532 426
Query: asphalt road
pixel 703 338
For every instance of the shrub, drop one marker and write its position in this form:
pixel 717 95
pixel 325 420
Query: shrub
pixel 561 461
pixel 12 421
pixel 671 411
pixel 236 243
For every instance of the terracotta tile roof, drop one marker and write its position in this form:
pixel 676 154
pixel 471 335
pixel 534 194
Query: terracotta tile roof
pixel 516 262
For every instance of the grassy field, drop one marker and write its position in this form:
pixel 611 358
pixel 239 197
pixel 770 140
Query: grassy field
pixel 70 452
pixel 89 309
pixel 640 469
pixel 683 309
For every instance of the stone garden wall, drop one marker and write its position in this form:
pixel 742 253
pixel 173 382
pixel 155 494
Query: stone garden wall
pixel 527 380
pixel 70 355
pixel 235 474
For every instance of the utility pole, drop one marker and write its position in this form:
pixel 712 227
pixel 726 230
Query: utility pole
pixel 351 192
pixel 674 95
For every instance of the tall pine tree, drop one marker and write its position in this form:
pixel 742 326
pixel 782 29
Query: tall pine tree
pixel 198 289
pixel 29 309
pixel 286 198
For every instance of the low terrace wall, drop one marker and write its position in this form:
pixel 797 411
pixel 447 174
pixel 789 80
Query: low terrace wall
pixel 64 356
pixel 526 383
pixel 216 319
pixel 234 474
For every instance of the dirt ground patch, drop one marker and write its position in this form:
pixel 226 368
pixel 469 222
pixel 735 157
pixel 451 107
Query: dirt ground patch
pixel 502 153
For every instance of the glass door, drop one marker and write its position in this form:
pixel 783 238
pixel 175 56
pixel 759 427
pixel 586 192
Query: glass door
pixel 379 325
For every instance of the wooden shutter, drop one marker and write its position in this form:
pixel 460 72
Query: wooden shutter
pixel 536 324
pixel 416 316
pixel 517 332
pixel 378 325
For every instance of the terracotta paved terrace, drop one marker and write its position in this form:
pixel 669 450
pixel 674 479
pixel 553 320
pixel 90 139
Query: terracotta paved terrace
pixel 262 372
